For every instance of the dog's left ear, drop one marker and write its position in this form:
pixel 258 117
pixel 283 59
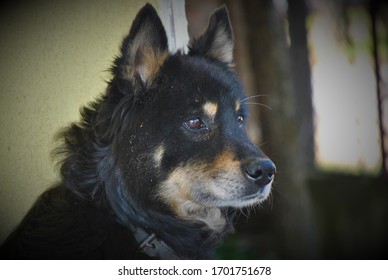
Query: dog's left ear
pixel 217 41
pixel 145 48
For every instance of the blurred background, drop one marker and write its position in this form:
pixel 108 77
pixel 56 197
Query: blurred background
pixel 317 74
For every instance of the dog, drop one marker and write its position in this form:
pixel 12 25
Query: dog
pixel 159 164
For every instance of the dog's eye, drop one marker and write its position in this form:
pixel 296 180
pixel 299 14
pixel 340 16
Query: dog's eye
pixel 194 124
pixel 240 120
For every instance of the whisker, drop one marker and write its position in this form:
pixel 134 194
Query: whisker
pixel 260 104
pixel 238 215
pixel 262 144
pixel 254 209
pixel 253 96
pixel 270 200
pixel 244 214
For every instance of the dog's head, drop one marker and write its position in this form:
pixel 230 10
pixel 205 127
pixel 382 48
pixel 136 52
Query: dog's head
pixel 183 146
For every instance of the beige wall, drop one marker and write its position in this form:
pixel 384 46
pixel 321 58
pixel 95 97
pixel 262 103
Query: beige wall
pixel 53 59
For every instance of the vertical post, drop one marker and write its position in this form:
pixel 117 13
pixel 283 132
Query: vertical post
pixel 373 8
pixel 301 81
pixel 174 20
pixel 294 225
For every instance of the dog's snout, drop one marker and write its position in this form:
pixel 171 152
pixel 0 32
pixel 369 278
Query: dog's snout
pixel 259 171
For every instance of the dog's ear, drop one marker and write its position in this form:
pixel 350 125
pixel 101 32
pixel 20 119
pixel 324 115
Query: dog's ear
pixel 217 40
pixel 145 48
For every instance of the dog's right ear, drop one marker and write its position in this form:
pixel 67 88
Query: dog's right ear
pixel 145 48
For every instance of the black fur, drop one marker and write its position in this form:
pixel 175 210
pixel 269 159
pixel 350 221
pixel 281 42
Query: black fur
pixel 109 181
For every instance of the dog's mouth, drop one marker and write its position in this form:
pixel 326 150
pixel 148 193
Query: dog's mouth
pixel 249 196
pixel 230 195
pixel 259 196
pixel 225 188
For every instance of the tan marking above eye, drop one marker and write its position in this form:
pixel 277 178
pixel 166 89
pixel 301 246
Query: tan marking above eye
pixel 158 154
pixel 210 109
pixel 238 105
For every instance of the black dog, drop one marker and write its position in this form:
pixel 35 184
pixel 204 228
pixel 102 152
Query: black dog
pixel 158 165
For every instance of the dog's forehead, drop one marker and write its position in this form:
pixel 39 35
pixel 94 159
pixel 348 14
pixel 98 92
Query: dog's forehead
pixel 205 85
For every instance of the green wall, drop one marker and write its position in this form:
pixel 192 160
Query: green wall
pixel 53 59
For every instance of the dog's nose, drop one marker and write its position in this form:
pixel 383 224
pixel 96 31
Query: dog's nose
pixel 259 171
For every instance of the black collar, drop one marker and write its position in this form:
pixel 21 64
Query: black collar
pixel 152 246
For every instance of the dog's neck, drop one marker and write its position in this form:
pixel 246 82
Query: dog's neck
pixel 170 238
